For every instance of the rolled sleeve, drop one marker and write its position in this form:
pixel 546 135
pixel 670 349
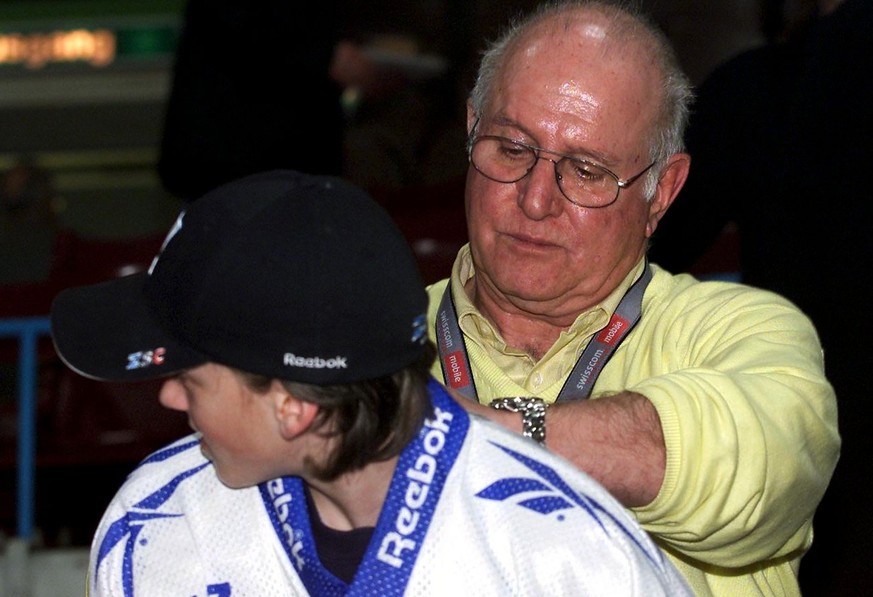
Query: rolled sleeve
pixel 749 423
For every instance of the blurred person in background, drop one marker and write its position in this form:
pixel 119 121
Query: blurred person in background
pixel 28 223
pixel 257 86
pixel 780 138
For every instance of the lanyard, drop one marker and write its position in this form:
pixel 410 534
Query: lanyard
pixel 456 363
pixel 406 515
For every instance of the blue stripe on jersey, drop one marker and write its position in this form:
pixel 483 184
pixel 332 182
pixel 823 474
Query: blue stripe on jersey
pixel 551 483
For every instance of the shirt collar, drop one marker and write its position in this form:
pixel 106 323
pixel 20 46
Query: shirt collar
pixel 596 317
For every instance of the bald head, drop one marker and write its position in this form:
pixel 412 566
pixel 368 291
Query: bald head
pixel 606 34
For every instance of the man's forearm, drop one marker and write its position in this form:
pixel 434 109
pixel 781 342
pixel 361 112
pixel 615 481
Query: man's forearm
pixel 616 439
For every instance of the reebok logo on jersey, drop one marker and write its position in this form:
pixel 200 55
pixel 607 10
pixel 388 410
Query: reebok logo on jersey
pixel 419 502
pixel 280 493
pixel 337 362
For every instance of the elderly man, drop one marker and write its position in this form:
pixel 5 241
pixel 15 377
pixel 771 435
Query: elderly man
pixel 710 415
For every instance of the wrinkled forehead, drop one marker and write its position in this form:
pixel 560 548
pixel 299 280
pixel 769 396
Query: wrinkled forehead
pixel 591 65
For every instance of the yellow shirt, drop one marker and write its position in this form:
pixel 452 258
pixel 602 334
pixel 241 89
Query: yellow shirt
pixel 749 420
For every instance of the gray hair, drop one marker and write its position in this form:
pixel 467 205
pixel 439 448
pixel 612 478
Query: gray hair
pixel 627 24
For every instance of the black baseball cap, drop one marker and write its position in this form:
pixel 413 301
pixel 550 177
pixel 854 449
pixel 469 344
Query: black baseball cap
pixel 282 274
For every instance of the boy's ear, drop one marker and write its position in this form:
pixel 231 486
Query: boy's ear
pixel 295 416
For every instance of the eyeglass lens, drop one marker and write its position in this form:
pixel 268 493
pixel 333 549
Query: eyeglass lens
pixel 506 161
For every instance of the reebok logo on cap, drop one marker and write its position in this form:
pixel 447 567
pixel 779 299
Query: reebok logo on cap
pixel 337 362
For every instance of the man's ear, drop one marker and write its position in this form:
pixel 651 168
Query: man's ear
pixel 669 184
pixel 294 415
pixel 471 117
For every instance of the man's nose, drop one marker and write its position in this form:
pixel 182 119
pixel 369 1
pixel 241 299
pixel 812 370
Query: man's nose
pixel 539 195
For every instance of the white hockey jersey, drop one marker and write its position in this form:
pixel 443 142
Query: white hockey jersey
pixel 473 509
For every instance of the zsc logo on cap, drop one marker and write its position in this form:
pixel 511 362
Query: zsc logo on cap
pixel 145 358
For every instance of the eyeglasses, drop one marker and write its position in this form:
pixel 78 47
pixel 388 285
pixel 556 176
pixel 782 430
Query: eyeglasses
pixel 583 183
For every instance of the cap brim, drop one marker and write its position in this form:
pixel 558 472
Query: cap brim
pixel 107 332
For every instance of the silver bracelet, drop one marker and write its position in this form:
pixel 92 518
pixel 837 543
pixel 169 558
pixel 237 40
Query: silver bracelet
pixel 533 414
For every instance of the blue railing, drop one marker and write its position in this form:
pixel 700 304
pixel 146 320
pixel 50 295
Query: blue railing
pixel 27 330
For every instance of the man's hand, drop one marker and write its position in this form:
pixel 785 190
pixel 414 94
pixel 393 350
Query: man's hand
pixel 616 439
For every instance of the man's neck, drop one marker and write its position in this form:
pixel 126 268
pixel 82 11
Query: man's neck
pixel 355 499
pixel 531 332
pixel 534 326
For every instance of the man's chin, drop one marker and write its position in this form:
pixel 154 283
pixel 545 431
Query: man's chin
pixel 528 290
